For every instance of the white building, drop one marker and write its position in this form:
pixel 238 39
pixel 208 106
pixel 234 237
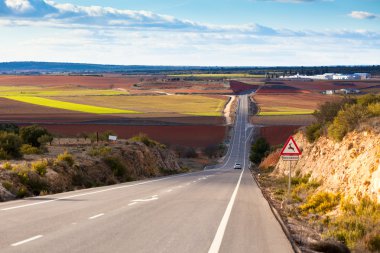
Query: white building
pixel 332 76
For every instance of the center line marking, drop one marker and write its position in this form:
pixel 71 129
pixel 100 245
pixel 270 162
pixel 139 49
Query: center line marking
pixel 27 240
pixel 96 216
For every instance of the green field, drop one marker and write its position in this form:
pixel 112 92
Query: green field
pixel 236 75
pixel 181 104
pixel 56 91
pixel 68 106
pixel 276 111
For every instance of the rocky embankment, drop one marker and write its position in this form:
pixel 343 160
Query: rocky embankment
pixel 84 166
pixel 351 167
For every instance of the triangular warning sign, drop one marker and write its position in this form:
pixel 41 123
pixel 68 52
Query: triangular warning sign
pixel 290 147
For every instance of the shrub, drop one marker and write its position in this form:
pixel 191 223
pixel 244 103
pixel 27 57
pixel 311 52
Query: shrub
pixel 328 111
pixel 144 139
pixel 21 192
pixel 7 166
pixel 313 132
pixel 320 203
pixel 258 150
pixel 27 149
pixel 116 166
pixel 40 167
pixel 347 120
pixel 368 99
pixel 30 134
pixel 10 144
pixel 99 151
pixel 9 127
pixel 374 109
pixel 214 150
pixel 46 138
pixel 65 157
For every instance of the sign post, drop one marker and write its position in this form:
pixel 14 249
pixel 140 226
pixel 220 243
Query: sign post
pixel 290 152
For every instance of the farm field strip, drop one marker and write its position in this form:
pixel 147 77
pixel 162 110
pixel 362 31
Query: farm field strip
pixel 68 105
pixel 56 91
pixel 278 110
pixel 194 105
pixel 237 75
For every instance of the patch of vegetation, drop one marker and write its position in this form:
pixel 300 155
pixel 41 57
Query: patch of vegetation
pixel 358 226
pixel 117 166
pixel 27 149
pixel 214 150
pixel 99 151
pixel 259 150
pixel 338 118
pixel 7 166
pixel 32 134
pixel 10 144
pixel 146 140
pixel 9 127
pixel 320 202
pixel 66 158
pixel 40 167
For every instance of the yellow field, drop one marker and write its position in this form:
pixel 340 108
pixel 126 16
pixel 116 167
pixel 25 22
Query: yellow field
pixel 277 110
pixel 236 75
pixel 181 104
pixel 68 106
pixel 55 91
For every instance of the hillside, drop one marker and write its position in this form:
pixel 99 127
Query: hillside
pixel 70 167
pixel 351 166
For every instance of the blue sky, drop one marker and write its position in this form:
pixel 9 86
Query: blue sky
pixel 192 32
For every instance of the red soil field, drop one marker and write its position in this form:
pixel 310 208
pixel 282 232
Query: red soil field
pixel 276 135
pixel 238 87
pixel 304 101
pixel 86 81
pixel 281 89
pixel 331 84
pixel 193 136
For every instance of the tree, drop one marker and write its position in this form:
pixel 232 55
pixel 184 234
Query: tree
pixel 10 145
pixel 30 134
pixel 258 150
pixel 9 127
pixel 46 138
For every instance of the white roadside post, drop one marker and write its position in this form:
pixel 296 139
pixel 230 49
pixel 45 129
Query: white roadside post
pixel 290 152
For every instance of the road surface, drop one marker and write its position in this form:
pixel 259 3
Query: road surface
pixel 216 210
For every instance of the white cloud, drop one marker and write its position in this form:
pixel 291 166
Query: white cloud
pixel 362 15
pixel 19 6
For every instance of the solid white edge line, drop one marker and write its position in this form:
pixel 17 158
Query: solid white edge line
pixel 27 240
pixel 217 242
pixel 96 216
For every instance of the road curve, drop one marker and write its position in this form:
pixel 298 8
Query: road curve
pixel 218 210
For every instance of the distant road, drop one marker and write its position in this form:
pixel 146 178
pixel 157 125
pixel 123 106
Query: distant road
pixel 218 210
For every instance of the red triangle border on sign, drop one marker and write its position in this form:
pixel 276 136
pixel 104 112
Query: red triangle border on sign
pixel 296 146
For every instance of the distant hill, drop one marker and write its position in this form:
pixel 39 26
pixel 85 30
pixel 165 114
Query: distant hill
pixel 34 68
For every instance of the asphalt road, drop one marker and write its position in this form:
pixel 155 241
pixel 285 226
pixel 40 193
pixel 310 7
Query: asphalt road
pixel 216 210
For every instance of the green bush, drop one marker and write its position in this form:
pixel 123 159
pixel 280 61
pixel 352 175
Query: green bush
pixel 214 150
pixel 358 226
pixel 347 120
pixel 9 127
pixel 27 149
pixel 31 134
pixel 313 132
pixel 10 144
pixel 99 151
pixel 368 99
pixel 144 139
pixel 328 111
pixel 66 158
pixel 116 165
pixel 321 202
pixel 40 167
pixel 374 109
pixel 258 150
pixel 7 166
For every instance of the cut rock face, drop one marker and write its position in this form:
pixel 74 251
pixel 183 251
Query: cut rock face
pixel 5 195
